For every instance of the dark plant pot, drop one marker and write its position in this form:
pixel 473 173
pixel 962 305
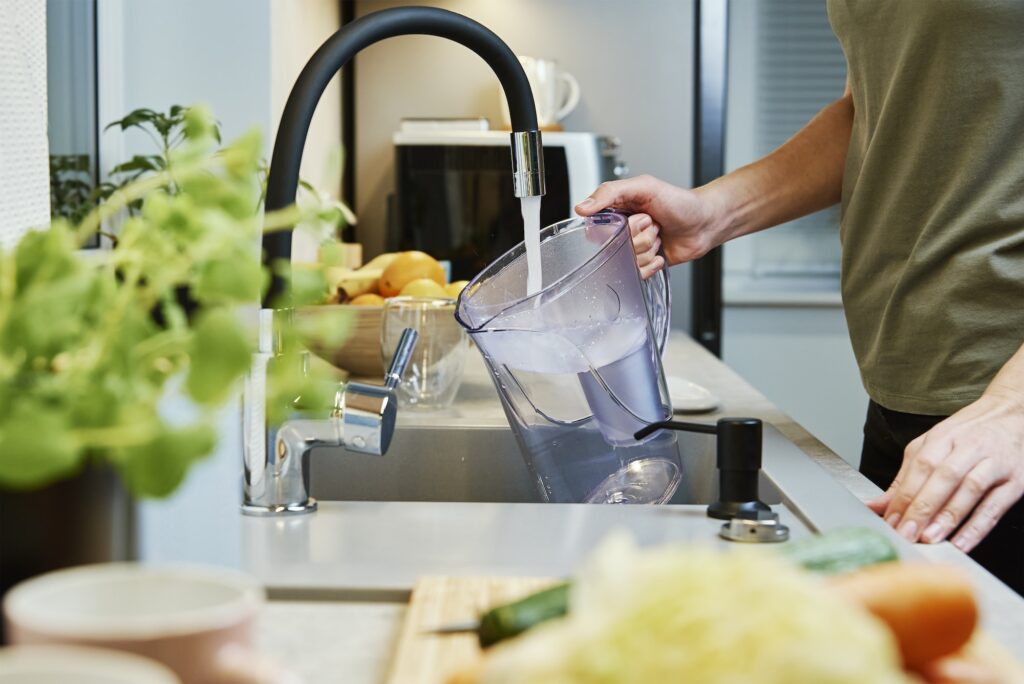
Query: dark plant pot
pixel 86 519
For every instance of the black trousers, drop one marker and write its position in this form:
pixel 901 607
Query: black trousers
pixel 886 435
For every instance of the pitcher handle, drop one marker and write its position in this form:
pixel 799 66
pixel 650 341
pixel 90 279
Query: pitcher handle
pixel 659 306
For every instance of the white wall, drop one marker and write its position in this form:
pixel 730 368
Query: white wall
pixel 188 51
pixel 240 57
pixel 800 358
pixel 634 62
pixel 298 28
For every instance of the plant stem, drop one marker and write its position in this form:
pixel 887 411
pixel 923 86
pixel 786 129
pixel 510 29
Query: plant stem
pixel 170 341
pixel 281 219
pixel 137 190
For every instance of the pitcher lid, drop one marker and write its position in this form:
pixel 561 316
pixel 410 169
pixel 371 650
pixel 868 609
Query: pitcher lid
pixel 582 245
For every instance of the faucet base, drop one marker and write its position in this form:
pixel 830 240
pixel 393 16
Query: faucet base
pixel 308 506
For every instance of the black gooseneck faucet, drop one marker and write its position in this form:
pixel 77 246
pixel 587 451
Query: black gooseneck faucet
pixel 282 183
pixel 276 458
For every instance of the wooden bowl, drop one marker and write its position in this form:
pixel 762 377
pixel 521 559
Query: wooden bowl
pixel 359 355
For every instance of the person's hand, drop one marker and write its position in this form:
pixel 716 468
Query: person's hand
pixel 972 461
pixel 683 221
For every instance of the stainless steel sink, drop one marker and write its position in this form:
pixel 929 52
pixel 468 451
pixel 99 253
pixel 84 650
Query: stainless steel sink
pixel 480 464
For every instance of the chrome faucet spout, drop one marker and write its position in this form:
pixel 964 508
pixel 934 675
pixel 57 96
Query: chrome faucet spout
pixel 528 164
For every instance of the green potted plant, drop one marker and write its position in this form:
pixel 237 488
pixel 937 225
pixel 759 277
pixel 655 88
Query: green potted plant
pixel 89 347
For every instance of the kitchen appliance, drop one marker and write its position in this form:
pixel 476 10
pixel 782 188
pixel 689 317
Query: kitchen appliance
pixel 451 191
pixel 555 91
pixel 577 365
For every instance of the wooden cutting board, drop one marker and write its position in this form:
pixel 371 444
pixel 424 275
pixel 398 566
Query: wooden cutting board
pixel 437 601
pixel 423 658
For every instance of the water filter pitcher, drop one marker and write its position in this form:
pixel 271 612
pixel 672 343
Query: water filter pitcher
pixel 577 365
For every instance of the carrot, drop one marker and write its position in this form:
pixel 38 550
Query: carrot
pixel 930 609
pixel 472 674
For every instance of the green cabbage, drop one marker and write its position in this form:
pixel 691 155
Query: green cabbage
pixel 685 614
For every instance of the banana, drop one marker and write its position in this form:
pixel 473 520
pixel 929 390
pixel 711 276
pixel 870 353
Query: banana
pixel 349 283
pixel 380 262
pixel 353 283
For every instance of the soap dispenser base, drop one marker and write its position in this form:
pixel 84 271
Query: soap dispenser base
pixel 727 510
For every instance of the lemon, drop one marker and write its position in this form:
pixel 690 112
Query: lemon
pixel 407 267
pixel 423 287
pixel 453 289
pixel 368 299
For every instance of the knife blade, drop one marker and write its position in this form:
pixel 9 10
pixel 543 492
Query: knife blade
pixel 467 627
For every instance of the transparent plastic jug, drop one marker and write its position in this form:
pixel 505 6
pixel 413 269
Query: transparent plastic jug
pixel 578 364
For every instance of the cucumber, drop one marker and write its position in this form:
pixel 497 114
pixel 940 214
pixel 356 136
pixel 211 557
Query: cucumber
pixel 826 554
pixel 841 550
pixel 512 619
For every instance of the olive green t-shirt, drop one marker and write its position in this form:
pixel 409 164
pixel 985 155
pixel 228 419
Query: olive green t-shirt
pixel 932 221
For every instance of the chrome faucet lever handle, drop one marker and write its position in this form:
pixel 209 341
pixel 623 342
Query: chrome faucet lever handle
pixel 400 361
pixel 368 412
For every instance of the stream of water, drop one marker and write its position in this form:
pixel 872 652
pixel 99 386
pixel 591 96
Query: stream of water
pixel 531 235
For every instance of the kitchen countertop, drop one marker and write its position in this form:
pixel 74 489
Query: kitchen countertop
pixel 348 568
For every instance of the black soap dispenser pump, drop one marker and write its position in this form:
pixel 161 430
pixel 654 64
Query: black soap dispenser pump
pixel 738 460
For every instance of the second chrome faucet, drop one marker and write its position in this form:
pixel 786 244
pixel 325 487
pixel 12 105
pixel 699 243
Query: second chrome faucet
pixel 277 461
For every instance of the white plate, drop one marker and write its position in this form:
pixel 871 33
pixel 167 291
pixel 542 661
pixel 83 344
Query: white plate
pixel 78 665
pixel 689 397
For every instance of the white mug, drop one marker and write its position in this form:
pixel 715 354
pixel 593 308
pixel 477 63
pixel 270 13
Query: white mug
pixel 197 621
pixel 555 92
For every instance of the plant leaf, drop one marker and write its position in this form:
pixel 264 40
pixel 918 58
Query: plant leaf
pixel 156 468
pixel 134 119
pixel 220 355
pixel 140 164
pixel 228 280
pixel 36 447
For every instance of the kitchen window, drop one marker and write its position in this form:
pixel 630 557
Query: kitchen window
pixel 785 65
pixel 72 106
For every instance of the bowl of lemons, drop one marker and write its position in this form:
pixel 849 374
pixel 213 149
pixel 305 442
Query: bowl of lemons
pixel 362 292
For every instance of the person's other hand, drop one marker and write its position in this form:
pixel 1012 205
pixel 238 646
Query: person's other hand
pixel 972 461
pixel 681 220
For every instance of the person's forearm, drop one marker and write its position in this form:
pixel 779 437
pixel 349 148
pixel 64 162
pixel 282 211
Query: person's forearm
pixel 1009 381
pixel 802 176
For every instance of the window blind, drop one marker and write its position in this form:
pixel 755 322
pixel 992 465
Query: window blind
pixel 800 69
